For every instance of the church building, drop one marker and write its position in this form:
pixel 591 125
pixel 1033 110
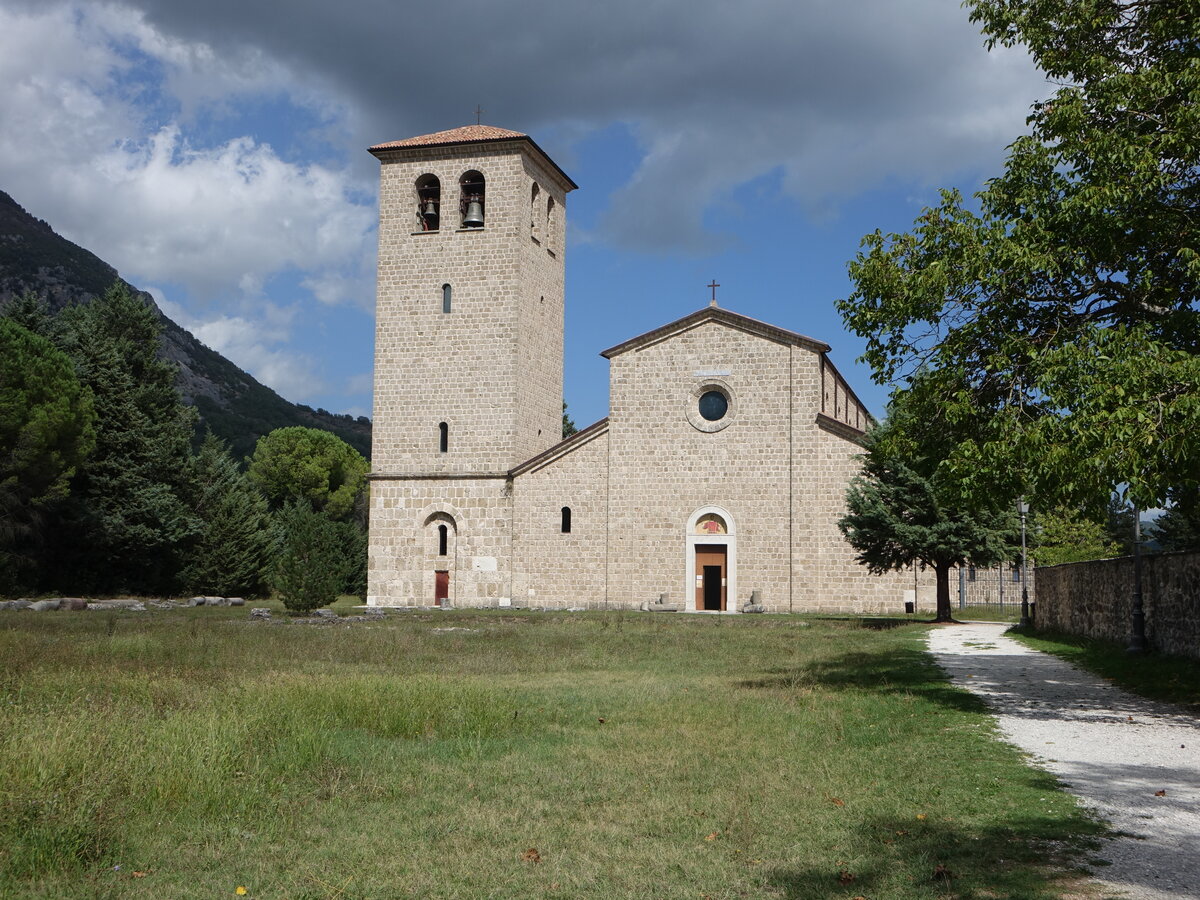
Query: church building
pixel 715 483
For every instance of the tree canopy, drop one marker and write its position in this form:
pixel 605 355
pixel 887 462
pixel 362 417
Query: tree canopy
pixel 46 416
pixel 906 509
pixel 291 464
pixel 232 551
pixel 1062 535
pixel 131 516
pixel 47 429
pixel 1056 316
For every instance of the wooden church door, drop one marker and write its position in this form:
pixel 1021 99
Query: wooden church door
pixel 710 577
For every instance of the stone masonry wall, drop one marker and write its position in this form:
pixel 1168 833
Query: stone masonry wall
pixel 827 422
pixel 1095 599
pixel 553 569
pixel 402 553
pixel 663 467
pixel 473 367
pixel 540 315
pixel 490 368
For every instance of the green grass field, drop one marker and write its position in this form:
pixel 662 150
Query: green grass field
pixel 190 753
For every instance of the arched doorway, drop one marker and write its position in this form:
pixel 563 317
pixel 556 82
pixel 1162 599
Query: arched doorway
pixel 711 561
pixel 440 539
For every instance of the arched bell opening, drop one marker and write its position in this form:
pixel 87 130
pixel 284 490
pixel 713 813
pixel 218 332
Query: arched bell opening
pixel 429 202
pixel 472 202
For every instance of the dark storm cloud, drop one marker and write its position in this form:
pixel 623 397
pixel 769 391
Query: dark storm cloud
pixel 835 94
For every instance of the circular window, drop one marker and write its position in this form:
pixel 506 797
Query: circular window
pixel 713 405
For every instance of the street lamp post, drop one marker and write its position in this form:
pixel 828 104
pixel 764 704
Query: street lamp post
pixel 1023 509
pixel 1137 640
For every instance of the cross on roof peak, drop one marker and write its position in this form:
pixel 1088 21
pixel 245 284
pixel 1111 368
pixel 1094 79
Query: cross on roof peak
pixel 479 111
pixel 714 286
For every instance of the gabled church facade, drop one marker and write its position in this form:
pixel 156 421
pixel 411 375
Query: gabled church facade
pixel 715 483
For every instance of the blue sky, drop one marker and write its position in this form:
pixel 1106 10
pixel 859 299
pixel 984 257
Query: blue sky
pixel 215 153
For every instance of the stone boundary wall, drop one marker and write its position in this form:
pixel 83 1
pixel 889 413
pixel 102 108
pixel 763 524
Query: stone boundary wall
pixel 1095 599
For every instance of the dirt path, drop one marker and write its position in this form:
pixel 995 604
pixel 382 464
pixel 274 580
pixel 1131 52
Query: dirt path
pixel 1113 750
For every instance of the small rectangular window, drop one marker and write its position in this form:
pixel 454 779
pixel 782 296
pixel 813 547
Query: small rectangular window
pixel 443 437
pixel 566 520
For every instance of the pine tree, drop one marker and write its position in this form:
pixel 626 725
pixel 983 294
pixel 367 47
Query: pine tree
pixel 299 463
pixel 1179 527
pixel 46 431
pixel 233 548
pixel 904 510
pixel 310 564
pixel 131 518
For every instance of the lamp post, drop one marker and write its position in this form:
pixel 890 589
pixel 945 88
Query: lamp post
pixel 1137 640
pixel 1023 509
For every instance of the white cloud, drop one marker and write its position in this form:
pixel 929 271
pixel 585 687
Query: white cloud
pixel 81 148
pixel 840 97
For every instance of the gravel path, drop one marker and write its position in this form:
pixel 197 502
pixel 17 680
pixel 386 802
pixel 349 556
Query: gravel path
pixel 1113 750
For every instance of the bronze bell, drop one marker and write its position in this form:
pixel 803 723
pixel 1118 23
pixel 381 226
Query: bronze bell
pixel 474 216
pixel 430 208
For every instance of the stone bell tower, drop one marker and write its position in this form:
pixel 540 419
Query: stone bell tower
pixel 468 355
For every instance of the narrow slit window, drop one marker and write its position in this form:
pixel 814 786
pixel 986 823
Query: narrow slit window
pixel 447 296
pixel 534 211
pixel 566 520
pixel 443 539
pixel 443 437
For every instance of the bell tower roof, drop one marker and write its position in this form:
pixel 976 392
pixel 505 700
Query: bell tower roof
pixel 469 134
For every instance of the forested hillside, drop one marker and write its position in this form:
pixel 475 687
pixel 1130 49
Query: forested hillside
pixel 231 402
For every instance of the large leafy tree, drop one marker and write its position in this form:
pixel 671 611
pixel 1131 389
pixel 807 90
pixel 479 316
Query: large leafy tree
pixel 46 431
pixel 907 508
pixel 132 516
pixel 1064 536
pixel 1057 314
pixel 292 464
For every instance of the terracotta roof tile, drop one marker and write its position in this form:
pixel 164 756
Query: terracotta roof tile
pixel 466 134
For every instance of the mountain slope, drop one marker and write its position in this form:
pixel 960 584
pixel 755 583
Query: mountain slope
pixel 231 402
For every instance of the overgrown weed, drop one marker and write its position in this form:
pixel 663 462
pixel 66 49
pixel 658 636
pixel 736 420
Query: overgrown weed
pixel 396 760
